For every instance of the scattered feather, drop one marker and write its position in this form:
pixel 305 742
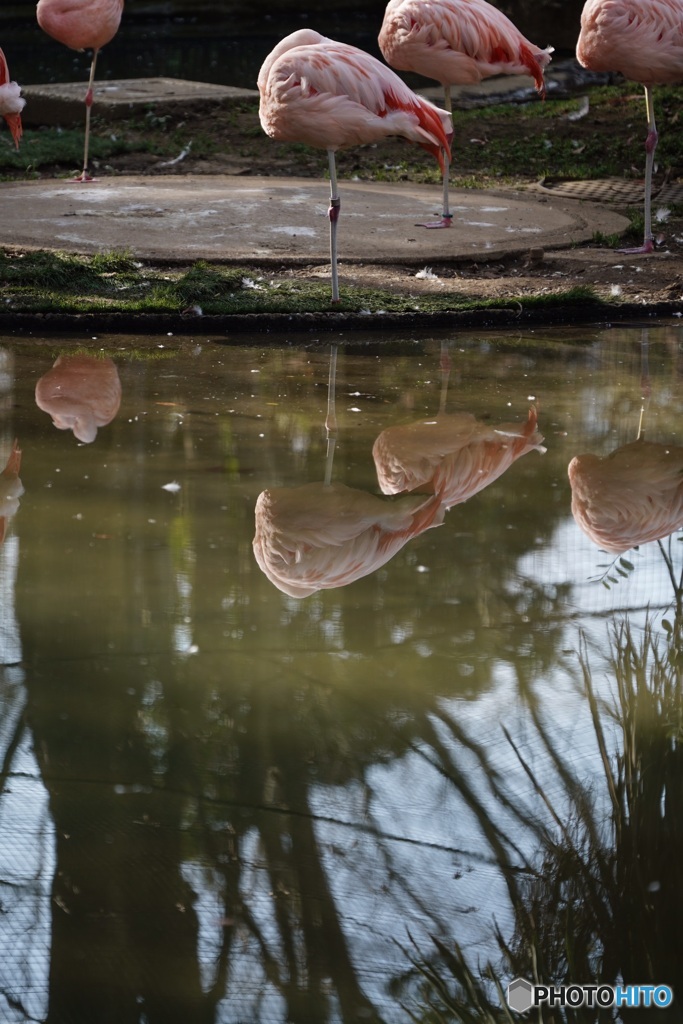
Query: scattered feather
pixel 576 115
pixel 177 159
pixel 173 487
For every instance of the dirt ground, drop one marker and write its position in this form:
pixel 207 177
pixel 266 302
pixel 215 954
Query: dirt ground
pixel 230 141
pixel 648 279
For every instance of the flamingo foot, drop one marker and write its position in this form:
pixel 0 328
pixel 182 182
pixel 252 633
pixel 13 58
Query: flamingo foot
pixel 83 176
pixel 647 247
pixel 445 222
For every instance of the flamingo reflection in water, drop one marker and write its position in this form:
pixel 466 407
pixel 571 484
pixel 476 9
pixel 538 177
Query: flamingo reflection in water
pixel 81 393
pixel 324 535
pixel 321 536
pixel 634 494
pixel 11 489
pixel 451 454
pixel 629 497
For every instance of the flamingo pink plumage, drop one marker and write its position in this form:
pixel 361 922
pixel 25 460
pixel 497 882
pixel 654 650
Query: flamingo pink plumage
pixel 451 454
pixel 322 536
pixel 457 42
pixel 629 497
pixel 11 102
pixel 11 488
pixel 81 393
pixel 642 39
pixel 330 95
pixel 82 25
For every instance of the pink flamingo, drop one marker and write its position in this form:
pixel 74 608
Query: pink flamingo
pixel 453 455
pixel 82 25
pixel 457 42
pixel 81 393
pixel 322 536
pixel 11 102
pixel 642 39
pixel 332 96
pixel 629 497
pixel 11 488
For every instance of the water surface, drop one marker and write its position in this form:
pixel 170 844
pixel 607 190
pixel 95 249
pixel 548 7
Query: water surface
pixel 221 802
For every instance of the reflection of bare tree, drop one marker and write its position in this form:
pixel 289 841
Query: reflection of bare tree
pixel 602 901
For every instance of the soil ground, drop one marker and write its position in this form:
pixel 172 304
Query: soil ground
pixel 229 140
pixel 653 278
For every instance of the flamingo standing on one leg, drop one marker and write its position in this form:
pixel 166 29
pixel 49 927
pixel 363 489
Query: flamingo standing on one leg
pixel 11 102
pixel 332 96
pixel 643 39
pixel 82 25
pixel 457 42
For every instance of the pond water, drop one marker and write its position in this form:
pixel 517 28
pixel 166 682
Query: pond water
pixel 456 763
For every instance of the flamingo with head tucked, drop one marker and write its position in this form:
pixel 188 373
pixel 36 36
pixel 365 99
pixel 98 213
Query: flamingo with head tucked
pixel 457 42
pixel 642 39
pixel 332 96
pixel 11 102
pixel 82 25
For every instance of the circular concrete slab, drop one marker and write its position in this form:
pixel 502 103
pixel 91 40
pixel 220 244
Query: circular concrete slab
pixel 285 219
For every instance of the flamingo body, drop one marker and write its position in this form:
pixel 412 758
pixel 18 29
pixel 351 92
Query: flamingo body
pixel 11 102
pixel 81 393
pixel 629 497
pixel 80 24
pixel 11 489
pixel 457 42
pixel 452 455
pixel 330 95
pixel 321 536
pixel 643 40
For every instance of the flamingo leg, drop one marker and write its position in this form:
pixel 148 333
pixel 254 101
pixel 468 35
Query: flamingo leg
pixel 446 216
pixel 331 418
pixel 333 214
pixel 89 96
pixel 650 147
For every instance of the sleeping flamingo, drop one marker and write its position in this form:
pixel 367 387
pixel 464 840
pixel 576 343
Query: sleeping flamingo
pixel 82 25
pixel 452 454
pixel 642 39
pixel 332 96
pixel 11 102
pixel 629 497
pixel 11 489
pixel 457 42
pixel 321 536
pixel 81 393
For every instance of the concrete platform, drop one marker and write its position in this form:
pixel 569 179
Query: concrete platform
pixel 63 103
pixel 283 220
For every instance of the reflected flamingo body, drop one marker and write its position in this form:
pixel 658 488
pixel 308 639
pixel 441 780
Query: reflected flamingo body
pixel 11 102
pixel 457 42
pixel 321 536
pixel 642 39
pixel 81 393
pixel 453 455
pixel 82 25
pixel 11 489
pixel 331 96
pixel 630 497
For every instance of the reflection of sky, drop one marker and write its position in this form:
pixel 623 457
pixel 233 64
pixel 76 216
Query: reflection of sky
pixel 402 849
pixel 27 854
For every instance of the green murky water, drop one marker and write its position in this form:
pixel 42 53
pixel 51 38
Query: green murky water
pixel 456 763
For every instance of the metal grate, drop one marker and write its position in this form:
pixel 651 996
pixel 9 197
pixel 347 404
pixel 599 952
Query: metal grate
pixel 609 190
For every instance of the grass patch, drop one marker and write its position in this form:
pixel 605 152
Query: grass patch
pixel 61 283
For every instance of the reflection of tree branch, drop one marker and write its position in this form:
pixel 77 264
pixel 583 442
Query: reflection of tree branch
pixel 10 751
